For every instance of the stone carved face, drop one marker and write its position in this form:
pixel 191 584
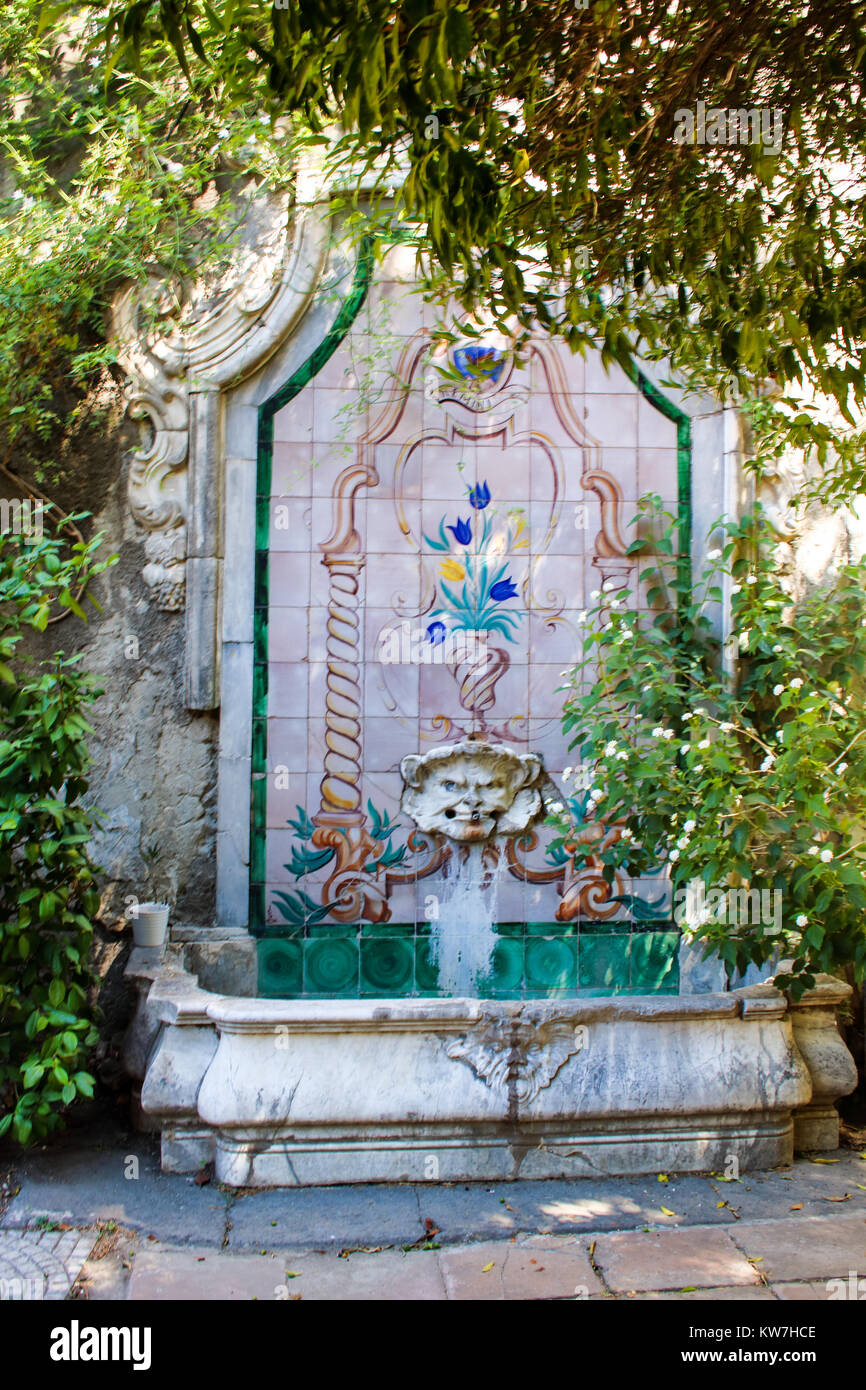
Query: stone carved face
pixel 472 791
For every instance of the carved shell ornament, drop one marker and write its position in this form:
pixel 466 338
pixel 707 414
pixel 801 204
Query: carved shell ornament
pixel 521 1052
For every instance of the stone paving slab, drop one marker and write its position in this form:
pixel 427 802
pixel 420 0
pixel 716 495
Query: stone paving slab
pixel 389 1276
pixel 813 1247
pixel 326 1218
pixel 40 1264
pixel 86 1187
pixel 738 1293
pixel 809 1291
pixel 697 1256
pixel 541 1268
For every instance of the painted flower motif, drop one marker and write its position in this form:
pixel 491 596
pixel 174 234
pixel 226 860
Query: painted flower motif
pixel 479 496
pixel 450 569
pixel 462 532
pixel 437 632
pixel 504 589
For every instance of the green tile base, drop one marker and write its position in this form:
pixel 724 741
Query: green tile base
pixel 531 961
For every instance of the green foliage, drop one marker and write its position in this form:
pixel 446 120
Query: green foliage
pixel 106 176
pixel 534 147
pixel 754 782
pixel 47 893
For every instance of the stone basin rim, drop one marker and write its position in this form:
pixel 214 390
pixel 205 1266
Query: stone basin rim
pixel 240 1015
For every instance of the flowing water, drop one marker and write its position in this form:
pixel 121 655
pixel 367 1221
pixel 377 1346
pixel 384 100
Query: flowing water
pixel 462 937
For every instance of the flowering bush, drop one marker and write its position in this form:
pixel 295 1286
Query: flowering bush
pixel 746 773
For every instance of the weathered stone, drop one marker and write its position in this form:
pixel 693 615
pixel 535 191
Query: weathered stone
pixel 815 1248
pixel 702 1256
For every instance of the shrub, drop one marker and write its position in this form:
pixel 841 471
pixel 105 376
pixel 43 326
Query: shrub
pixel 47 893
pixel 746 773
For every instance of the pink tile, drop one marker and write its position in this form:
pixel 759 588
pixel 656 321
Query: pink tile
pixel 442 477
pixel 655 431
pixel 290 524
pixel 338 415
pixel 287 634
pixel 559 639
pixel 393 581
pixel 288 579
pixel 287 745
pixel 383 746
pixel 294 423
pixel 605 381
pixel 545 697
pixel 290 474
pixel 382 534
pixel 391 690
pixel 285 793
pixel 613 419
pixel 287 689
pixel 657 471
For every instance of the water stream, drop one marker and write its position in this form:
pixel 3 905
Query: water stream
pixel 462 937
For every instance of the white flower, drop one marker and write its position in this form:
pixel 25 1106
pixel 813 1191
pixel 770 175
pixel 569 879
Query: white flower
pixel 842 767
pixel 744 640
pixel 689 715
pixel 567 773
pixel 725 727
pixel 714 555
pixel 596 593
pixel 582 616
pixel 704 743
pixel 668 733
pixel 596 794
pixel 826 856
pixel 802 920
pixel 735 588
pixel 778 689
pixel 556 807
pixel 222 132
pixel 780 734
pixel 796 683
pixel 701 711
pixel 813 849
pixel 767 763
pixel 626 834
pixel 698 767
pixel 751 579
pixel 610 749
pixel 689 826
pixel 626 635
pixel 682 842
pixel 622 756
pixel 657 732
pixel 685 748
pixel 674 855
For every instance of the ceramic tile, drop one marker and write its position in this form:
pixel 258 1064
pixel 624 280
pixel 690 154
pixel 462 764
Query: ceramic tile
pixel 289 579
pixel 612 420
pixel 656 471
pixel 545 696
pixel 291 467
pixel 655 431
pixel 287 634
pixel 287 689
pixel 294 423
pixel 287 744
pixel 285 793
pixel 290 520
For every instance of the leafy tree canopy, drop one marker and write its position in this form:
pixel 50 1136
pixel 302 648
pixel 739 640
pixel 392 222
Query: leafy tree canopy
pixel 538 153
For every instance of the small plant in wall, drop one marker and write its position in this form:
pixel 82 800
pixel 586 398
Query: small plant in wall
pixel 48 896
pixel 747 774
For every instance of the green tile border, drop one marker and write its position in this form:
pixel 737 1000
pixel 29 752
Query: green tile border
pixel 660 402
pixel 264 466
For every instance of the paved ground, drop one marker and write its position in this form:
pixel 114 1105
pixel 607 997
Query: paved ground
pixel 98 1218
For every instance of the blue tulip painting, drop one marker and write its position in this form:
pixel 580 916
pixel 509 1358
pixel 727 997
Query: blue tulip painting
pixel 485 586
